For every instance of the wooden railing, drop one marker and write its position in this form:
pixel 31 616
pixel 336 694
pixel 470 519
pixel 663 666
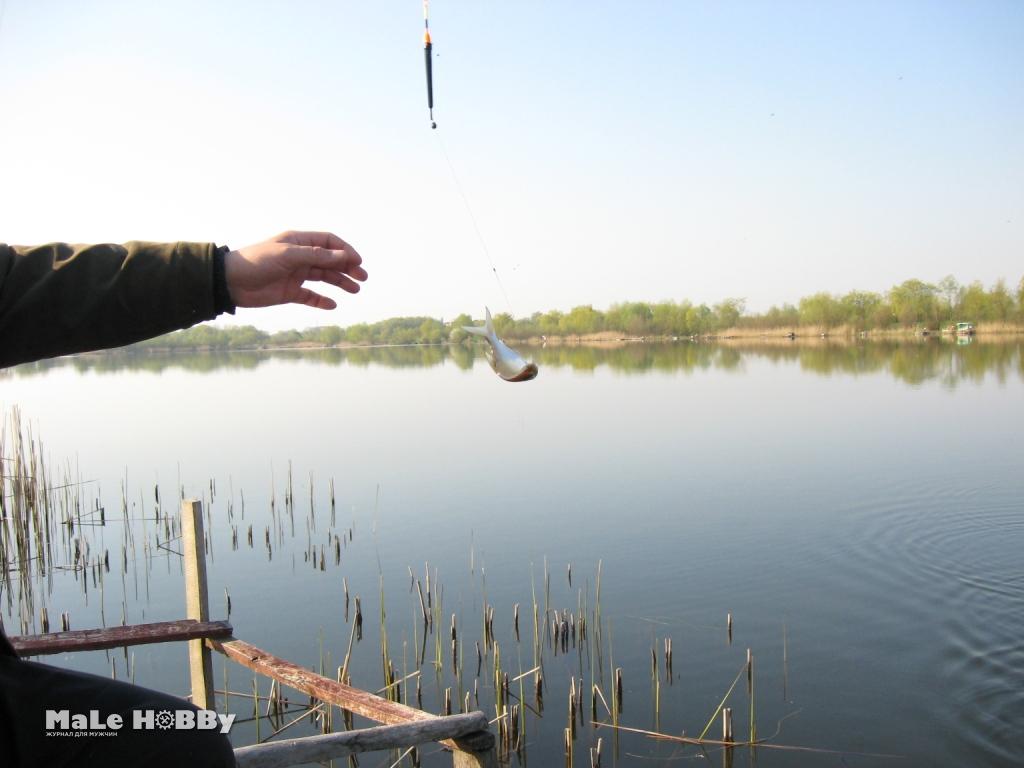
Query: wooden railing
pixel 118 637
pixel 467 735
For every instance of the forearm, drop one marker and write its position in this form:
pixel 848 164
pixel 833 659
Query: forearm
pixel 59 299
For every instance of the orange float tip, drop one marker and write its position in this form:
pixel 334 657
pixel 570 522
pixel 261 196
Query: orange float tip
pixel 426 37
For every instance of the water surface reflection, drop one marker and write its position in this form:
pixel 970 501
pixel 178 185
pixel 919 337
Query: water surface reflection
pixel 909 362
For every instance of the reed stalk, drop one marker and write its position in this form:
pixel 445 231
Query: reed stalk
pixel 721 704
pixel 750 691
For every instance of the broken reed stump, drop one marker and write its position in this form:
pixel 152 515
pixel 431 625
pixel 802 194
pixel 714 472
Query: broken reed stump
pixel 423 605
pixel 489 636
pixel 579 702
pixel 572 707
pixel 344 586
pixel 618 689
pixel 516 727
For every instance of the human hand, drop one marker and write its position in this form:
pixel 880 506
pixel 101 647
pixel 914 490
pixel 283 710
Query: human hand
pixel 273 272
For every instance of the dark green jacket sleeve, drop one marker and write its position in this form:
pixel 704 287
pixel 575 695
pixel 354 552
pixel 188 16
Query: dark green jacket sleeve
pixel 58 299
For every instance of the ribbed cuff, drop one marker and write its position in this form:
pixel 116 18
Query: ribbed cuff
pixel 221 295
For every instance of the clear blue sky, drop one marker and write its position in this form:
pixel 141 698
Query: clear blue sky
pixel 609 151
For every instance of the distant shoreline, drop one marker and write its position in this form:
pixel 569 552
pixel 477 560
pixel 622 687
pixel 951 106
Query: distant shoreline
pixel 988 331
pixel 785 333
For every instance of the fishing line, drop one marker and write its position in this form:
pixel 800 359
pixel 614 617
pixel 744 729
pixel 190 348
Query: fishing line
pixel 428 49
pixel 472 218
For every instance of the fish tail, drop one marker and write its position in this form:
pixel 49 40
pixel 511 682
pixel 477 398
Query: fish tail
pixel 486 330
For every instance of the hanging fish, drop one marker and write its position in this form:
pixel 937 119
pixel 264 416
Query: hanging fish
pixel 428 55
pixel 505 361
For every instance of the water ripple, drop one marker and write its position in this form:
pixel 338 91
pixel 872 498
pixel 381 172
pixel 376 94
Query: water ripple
pixel 955 561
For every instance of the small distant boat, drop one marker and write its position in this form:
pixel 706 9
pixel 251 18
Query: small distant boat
pixel 964 329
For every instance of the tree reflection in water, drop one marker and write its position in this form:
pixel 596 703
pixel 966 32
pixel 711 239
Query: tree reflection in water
pixel 910 362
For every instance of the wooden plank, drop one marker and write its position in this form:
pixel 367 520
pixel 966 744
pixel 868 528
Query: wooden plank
pixel 470 750
pixel 368 705
pixel 197 603
pixel 334 745
pixel 116 637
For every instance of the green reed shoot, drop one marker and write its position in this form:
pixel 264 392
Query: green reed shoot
pixel 655 684
pixel 547 592
pixel 385 656
pixel 718 709
pixel 750 690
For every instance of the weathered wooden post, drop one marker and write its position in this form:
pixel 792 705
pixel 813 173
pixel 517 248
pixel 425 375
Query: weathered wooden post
pixel 475 750
pixel 197 602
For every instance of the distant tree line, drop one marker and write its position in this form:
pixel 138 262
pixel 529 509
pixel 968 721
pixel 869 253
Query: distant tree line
pixel 911 304
pixel 399 330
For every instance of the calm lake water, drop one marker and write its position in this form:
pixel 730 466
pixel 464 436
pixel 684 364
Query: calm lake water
pixel 857 509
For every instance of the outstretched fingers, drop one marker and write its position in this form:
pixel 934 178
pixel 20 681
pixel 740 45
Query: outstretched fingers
pixel 313 299
pixel 341 260
pixel 336 279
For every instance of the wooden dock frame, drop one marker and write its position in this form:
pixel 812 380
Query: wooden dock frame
pixel 467 735
pixel 197 601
